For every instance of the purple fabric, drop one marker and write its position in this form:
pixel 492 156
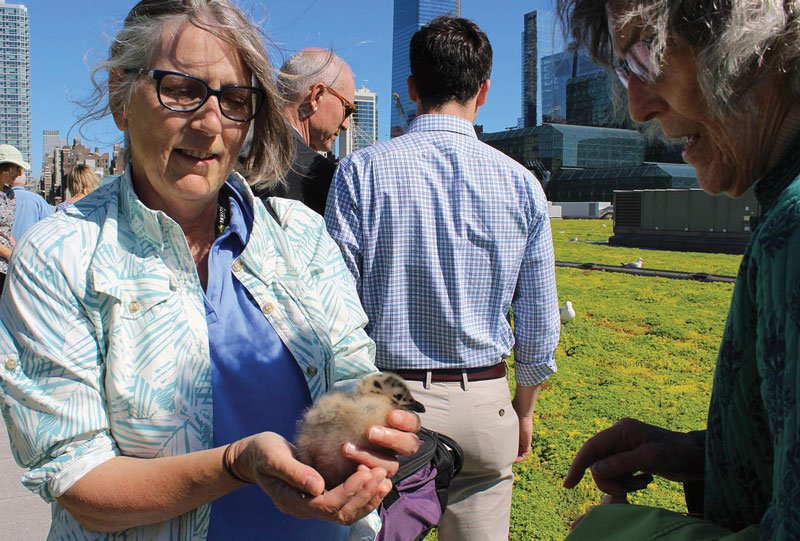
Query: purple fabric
pixel 417 509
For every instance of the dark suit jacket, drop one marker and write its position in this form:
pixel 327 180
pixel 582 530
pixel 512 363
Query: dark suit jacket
pixel 308 179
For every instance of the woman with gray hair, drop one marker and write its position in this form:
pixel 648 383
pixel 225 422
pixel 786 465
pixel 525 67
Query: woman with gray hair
pixel 163 335
pixel 722 77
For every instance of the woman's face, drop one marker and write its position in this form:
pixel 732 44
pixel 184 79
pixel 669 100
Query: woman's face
pixel 8 172
pixel 728 155
pixel 180 160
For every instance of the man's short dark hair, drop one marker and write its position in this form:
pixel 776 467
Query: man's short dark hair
pixel 450 59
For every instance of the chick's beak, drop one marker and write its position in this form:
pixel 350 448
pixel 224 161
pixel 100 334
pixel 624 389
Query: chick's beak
pixel 416 406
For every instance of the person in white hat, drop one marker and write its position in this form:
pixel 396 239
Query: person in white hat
pixel 11 166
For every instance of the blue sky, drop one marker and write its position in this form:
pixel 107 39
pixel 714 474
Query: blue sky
pixel 69 36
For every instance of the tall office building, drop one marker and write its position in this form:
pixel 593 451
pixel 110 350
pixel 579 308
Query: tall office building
pixel 50 142
pixel 589 102
pixel 557 70
pixel 15 78
pixel 540 37
pixel 530 76
pixel 363 130
pixel 410 16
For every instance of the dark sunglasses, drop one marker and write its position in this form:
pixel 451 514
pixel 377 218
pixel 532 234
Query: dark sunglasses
pixel 185 94
pixel 349 107
pixel 638 62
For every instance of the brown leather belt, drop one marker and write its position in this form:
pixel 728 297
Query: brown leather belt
pixel 455 374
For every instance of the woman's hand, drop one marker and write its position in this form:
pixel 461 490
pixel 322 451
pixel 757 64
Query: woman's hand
pixel 625 457
pixel 356 497
pixel 400 437
pixel 297 489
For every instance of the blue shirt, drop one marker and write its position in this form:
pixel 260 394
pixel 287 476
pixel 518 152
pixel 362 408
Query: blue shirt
pixel 443 234
pixel 31 208
pixel 257 387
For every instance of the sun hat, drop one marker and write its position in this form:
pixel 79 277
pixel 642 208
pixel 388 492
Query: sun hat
pixel 10 154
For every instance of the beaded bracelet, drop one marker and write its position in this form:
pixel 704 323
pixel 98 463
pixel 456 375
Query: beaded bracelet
pixel 228 467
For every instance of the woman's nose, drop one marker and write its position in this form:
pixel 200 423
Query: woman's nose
pixel 645 101
pixel 208 118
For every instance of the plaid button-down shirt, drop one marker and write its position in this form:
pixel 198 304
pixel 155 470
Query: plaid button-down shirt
pixel 443 234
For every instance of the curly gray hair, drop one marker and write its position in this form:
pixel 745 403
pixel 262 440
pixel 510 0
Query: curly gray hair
pixel 739 41
pixel 135 46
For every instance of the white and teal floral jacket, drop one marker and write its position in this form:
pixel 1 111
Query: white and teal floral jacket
pixel 104 343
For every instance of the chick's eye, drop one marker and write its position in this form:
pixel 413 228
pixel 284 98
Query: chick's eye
pixel 398 397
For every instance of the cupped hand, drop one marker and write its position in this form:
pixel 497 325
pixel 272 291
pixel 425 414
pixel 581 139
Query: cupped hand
pixel 399 438
pixel 624 457
pixel 361 493
pixel 297 489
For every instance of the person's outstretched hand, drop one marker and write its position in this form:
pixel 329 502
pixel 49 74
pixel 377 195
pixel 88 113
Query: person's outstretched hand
pixel 626 456
pixel 297 489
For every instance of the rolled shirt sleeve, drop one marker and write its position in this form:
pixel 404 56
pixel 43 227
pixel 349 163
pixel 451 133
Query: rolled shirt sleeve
pixel 537 325
pixel 53 399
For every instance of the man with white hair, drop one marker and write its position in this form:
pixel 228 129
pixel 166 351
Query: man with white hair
pixel 318 91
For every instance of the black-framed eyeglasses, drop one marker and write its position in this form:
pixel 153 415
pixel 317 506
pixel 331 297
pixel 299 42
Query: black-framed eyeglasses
pixel 349 107
pixel 185 94
pixel 638 62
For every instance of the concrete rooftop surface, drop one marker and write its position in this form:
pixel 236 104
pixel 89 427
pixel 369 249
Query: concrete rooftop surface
pixel 24 515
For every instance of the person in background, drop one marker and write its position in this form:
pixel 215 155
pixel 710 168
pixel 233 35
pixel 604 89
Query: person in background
pixel 443 235
pixel 723 78
pixel 12 165
pixel 31 208
pixel 167 332
pixel 317 89
pixel 81 181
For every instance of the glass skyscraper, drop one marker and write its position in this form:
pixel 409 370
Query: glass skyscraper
pixel 410 16
pixel 557 70
pixel 363 130
pixel 15 78
pixel 530 75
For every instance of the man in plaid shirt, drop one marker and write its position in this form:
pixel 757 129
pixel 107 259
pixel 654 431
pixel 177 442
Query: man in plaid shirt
pixel 443 234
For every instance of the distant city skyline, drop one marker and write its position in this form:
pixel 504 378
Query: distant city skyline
pixel 68 38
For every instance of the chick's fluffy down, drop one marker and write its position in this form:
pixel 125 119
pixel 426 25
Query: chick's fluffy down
pixel 337 418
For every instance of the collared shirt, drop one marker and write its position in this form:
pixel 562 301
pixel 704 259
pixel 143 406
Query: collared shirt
pixel 8 205
pixel 31 208
pixel 443 234
pixel 257 387
pixel 104 345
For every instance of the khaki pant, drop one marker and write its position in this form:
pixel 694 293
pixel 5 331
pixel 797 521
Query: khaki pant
pixel 480 418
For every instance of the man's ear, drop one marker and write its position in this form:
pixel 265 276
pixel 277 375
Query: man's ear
pixel 316 92
pixel 412 88
pixel 482 92
pixel 120 117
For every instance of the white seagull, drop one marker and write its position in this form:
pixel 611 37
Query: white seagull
pixel 574 239
pixel 634 264
pixel 567 312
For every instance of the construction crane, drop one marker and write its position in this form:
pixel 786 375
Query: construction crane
pixel 398 104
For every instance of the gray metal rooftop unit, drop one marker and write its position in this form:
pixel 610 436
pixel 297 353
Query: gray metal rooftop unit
pixel 686 220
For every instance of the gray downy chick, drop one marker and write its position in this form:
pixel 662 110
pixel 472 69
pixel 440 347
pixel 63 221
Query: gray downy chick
pixel 339 417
